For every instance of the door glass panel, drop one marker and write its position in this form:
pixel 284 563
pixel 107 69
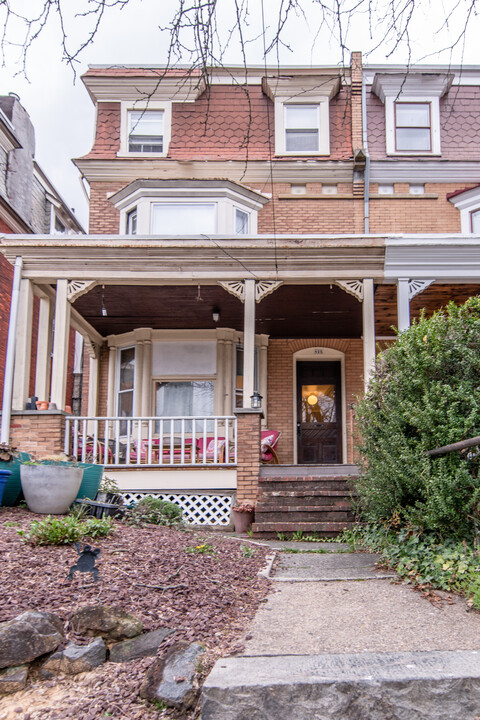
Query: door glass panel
pixel 318 404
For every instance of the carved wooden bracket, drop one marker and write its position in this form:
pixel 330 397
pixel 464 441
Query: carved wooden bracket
pixel 77 288
pixel 352 287
pixel 262 288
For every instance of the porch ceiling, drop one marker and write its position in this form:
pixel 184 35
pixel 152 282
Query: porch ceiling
pixel 291 311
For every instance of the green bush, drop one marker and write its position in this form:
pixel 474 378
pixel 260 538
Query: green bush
pixel 65 530
pixel 425 393
pixel 155 511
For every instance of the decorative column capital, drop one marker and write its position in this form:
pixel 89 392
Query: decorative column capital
pixel 77 288
pixel 262 288
pixel 352 287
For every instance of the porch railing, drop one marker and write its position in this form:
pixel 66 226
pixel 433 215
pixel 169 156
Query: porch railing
pixel 153 441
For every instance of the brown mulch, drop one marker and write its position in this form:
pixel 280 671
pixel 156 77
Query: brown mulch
pixel 146 571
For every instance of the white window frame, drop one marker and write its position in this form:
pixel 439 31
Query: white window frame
pixel 322 104
pixel 390 127
pixel 185 201
pixel 118 390
pixel 126 108
pixel 467 203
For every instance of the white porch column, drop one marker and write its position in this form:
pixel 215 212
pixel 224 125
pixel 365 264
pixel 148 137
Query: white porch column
pixel 60 345
pixel 23 347
pixel 138 382
pixel 229 377
pixel 249 343
pixel 368 310
pixel 44 349
pixel 93 368
pixel 112 368
pixel 147 407
pixel 220 377
pixel 403 304
pixel 262 372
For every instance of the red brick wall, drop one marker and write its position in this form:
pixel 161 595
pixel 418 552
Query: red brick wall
pixel 281 387
pixel 104 217
pixel 248 455
pixel 414 214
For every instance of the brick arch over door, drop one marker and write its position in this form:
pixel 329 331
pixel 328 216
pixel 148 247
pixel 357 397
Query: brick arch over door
pixel 281 390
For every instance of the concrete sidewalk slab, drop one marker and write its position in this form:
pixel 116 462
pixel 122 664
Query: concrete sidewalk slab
pixel 312 567
pixel 390 686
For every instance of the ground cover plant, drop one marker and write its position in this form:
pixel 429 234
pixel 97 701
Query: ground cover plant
pixel 424 394
pixel 144 569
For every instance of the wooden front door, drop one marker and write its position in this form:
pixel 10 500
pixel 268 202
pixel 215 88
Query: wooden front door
pixel 319 413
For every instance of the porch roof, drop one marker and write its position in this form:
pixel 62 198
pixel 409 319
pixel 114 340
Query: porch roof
pixel 119 259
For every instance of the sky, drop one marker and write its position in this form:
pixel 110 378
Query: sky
pixel 63 114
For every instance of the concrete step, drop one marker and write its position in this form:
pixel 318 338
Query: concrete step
pixel 308 504
pixel 305 514
pixel 437 685
pixel 324 529
pixel 308 470
pixel 303 485
pixel 310 493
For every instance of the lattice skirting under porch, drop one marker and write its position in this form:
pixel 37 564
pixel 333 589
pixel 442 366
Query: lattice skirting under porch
pixel 197 509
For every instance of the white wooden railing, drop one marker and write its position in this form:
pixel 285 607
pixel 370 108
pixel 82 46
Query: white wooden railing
pixel 152 441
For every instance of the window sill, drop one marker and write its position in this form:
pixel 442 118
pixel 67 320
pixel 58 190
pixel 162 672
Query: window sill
pixel 336 196
pixel 403 196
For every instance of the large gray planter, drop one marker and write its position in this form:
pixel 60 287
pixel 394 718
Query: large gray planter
pixel 50 488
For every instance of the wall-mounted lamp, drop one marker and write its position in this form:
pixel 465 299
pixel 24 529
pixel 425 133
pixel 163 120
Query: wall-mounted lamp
pixel 216 314
pixel 256 400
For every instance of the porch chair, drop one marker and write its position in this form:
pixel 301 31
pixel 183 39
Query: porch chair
pixel 269 440
pixel 90 454
pixel 209 451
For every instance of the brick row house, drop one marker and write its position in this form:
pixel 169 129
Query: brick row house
pixel 252 240
pixel 30 204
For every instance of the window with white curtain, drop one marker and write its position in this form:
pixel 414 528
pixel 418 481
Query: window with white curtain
pixel 184 218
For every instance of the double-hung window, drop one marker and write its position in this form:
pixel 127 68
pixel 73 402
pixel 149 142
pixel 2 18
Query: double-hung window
pixel 475 222
pixel 413 127
pixel 184 218
pixel 241 222
pixel 302 128
pixel 146 131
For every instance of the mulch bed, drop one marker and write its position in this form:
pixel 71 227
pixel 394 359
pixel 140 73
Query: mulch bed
pixel 146 571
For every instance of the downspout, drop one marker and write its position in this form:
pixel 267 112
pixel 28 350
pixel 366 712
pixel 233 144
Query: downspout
pixel 366 192
pixel 10 358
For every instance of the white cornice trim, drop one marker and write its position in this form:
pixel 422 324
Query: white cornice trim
pixel 258 172
pixel 421 171
pixel 105 88
pixel 413 84
pixel 300 87
pixel 448 258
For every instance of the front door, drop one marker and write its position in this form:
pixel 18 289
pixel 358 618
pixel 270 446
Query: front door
pixel 319 413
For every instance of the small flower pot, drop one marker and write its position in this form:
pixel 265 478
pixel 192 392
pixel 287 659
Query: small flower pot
pixel 42 405
pixel 242 520
pixel 4 477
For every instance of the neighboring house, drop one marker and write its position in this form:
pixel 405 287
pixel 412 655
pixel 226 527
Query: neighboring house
pixel 28 204
pixel 261 233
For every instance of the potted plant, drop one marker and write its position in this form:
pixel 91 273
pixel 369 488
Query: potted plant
pixel 243 516
pixel 109 491
pixel 10 459
pixel 50 485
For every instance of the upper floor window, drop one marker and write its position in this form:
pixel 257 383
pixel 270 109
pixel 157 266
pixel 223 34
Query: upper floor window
pixel 145 128
pixel 131 217
pixel 475 221
pixel 183 218
pixel 241 222
pixel 413 126
pixel 145 131
pixel 302 128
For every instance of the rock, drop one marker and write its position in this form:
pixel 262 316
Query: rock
pixel 110 623
pixel 145 645
pixel 170 679
pixel 28 636
pixel 76 659
pixel 13 679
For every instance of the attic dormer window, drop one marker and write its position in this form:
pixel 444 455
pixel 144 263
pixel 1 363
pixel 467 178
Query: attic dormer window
pixel 413 126
pixel 302 127
pixel 145 131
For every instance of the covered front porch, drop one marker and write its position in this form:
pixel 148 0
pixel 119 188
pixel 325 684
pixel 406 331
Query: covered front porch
pixel 192 347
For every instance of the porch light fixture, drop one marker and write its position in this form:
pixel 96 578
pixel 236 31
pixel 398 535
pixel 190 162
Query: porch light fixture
pixel 104 309
pixel 256 400
pixel 216 314
pixel 312 399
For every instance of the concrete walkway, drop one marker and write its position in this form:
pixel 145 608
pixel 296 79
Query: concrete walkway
pixel 338 639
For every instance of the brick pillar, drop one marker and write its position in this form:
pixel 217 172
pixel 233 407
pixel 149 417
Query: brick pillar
pixel 356 100
pixel 248 453
pixel 39 433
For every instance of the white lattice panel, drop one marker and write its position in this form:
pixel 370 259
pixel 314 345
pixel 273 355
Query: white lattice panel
pixel 197 509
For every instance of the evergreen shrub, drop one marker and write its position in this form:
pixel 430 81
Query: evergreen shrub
pixel 424 394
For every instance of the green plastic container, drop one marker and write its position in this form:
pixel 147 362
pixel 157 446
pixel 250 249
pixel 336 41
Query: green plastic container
pixel 13 488
pixel 92 477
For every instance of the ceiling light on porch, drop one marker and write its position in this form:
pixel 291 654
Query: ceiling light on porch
pixel 104 309
pixel 312 399
pixel 216 314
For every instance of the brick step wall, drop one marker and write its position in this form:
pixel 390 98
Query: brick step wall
pixel 312 503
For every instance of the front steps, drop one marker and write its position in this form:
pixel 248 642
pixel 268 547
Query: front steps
pixel 311 498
